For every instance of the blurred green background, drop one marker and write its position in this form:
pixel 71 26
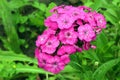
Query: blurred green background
pixel 21 21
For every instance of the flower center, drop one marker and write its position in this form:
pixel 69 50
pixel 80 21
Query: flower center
pixel 75 14
pixel 49 43
pixel 68 34
pixel 65 21
pixel 55 64
pixel 85 32
pixel 44 61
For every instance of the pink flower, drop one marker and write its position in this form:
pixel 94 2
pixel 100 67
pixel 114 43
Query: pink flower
pixel 55 17
pixel 101 22
pixel 66 49
pixel 65 21
pixel 68 36
pixel 86 33
pixel 90 19
pixel 65 59
pixel 50 45
pixel 51 24
pixel 75 13
pixel 43 38
pixel 43 59
pixel 86 45
pixel 55 65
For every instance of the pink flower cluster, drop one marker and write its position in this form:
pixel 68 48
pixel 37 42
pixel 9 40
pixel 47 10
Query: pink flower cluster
pixel 69 30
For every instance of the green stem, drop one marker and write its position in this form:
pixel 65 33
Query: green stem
pixel 46 76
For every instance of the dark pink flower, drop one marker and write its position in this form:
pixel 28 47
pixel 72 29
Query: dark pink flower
pixel 43 59
pixel 101 22
pixel 55 65
pixel 43 38
pixel 76 13
pixel 50 45
pixel 68 36
pixel 66 49
pixel 65 59
pixel 65 21
pixel 86 45
pixel 51 24
pixel 90 19
pixel 86 33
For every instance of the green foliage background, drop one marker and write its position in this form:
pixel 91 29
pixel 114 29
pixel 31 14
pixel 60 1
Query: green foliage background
pixel 22 20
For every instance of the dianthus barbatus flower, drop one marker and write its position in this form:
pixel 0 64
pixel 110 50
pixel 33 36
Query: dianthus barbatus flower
pixel 68 36
pixel 51 24
pixel 101 22
pixel 86 33
pixel 65 21
pixel 50 45
pixel 44 37
pixel 66 49
pixel 69 30
pixel 55 65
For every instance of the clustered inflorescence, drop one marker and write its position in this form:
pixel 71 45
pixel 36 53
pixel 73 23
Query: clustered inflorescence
pixel 69 30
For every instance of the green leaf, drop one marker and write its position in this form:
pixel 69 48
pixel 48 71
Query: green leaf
pixel 104 68
pixel 30 69
pixel 40 6
pixel 101 42
pixel 9 27
pixel 110 17
pixel 50 6
pixel 11 56
pixel 17 4
pixel 69 69
pixel 97 4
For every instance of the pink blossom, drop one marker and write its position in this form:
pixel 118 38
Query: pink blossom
pixel 68 36
pixel 43 59
pixel 55 65
pixel 43 38
pixel 75 13
pixel 55 17
pixel 50 45
pixel 101 22
pixel 86 33
pixel 65 59
pixel 66 49
pixel 65 21
pixel 86 45
pixel 51 24
pixel 90 19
